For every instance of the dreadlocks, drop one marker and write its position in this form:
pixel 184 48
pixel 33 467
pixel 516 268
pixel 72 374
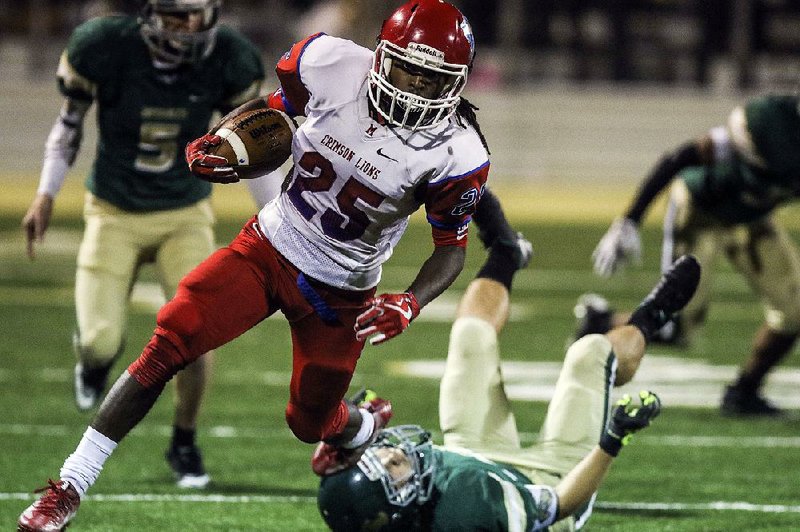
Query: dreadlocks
pixel 465 112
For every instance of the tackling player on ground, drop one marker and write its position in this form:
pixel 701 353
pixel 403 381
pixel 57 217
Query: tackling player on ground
pixel 156 79
pixel 726 186
pixel 386 132
pixel 482 478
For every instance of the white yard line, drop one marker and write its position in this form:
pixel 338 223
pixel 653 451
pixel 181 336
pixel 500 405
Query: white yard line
pixel 678 381
pixel 230 432
pixel 720 506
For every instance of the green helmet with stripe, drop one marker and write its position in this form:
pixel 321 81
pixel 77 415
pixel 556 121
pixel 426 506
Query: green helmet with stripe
pixel 369 497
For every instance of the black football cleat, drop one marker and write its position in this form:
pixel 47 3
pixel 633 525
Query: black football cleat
pixel 738 402
pixel 186 463
pixel 671 294
pixel 90 384
pixel 592 315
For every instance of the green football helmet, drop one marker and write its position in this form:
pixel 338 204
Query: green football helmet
pixel 176 46
pixel 367 497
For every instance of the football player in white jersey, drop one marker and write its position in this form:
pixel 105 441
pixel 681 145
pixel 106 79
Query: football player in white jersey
pixel 385 133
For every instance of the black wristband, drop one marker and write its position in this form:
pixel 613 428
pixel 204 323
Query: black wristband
pixel 610 443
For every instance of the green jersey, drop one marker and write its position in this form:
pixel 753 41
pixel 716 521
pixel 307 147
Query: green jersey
pixel 761 172
pixel 147 115
pixel 472 492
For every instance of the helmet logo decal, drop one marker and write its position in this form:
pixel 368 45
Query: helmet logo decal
pixel 467 29
pixel 426 53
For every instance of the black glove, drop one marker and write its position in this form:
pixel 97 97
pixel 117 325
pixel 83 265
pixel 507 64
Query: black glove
pixel 626 419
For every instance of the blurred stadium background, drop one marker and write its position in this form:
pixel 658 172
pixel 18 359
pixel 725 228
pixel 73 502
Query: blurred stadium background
pixel 578 99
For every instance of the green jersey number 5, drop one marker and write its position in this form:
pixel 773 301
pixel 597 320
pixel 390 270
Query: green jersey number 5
pixel 158 147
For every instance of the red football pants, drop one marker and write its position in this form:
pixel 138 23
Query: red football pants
pixel 233 290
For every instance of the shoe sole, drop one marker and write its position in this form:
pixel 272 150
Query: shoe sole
pixel 193 481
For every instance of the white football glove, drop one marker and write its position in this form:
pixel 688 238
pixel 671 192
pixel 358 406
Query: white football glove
pixel 620 244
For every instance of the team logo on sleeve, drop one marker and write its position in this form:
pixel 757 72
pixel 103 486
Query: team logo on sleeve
pixel 469 199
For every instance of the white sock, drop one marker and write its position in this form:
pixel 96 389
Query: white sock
pixel 82 467
pixel 364 432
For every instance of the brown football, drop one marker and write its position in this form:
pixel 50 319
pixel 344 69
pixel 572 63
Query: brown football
pixel 256 142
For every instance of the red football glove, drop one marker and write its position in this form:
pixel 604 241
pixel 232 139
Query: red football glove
pixel 387 316
pixel 206 166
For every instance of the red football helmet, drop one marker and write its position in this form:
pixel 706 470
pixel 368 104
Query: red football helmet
pixel 424 38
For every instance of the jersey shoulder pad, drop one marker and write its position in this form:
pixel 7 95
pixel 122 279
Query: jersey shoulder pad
pixel 240 58
pixel 464 154
pixel 94 48
pixel 333 70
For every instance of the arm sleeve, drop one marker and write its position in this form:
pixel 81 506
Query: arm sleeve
pixel 62 146
pixel 450 203
pixel 661 175
pixel 60 151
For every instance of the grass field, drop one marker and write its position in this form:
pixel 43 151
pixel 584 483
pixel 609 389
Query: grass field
pixel 693 470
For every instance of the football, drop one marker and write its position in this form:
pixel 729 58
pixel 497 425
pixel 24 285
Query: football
pixel 256 142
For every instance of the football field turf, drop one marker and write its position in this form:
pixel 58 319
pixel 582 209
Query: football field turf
pixel 693 470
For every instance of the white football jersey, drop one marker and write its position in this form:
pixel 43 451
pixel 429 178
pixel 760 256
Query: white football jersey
pixel 355 182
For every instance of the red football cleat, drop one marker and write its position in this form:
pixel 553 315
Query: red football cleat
pixel 52 511
pixel 329 459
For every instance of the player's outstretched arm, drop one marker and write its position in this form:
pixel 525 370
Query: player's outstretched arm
pixel 621 243
pixel 585 478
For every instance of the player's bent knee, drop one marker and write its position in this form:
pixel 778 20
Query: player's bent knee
pixel 306 426
pixel 473 338
pixel 160 360
pixel 315 412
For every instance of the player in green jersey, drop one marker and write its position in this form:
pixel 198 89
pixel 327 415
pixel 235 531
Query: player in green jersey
pixel 157 79
pixel 726 187
pixel 482 478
